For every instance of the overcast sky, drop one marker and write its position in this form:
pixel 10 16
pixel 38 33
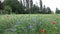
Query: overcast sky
pixel 49 3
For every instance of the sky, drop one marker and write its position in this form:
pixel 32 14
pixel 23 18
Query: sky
pixel 53 4
pixel 49 3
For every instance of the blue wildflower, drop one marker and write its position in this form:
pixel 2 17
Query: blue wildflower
pixel 10 30
pixel 1 30
pixel 7 30
pixel 40 22
pixel 30 27
pixel 13 29
pixel 19 22
pixel 21 19
pixel 34 19
pixel 24 18
pixel 48 19
pixel 23 28
pixel 28 22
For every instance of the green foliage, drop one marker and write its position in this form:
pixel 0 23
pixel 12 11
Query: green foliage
pixel 27 5
pixel 3 12
pixel 15 5
pixel 35 9
pixel 44 10
pixel 1 5
pixel 48 10
pixel 57 11
pixel 41 7
pixel 8 9
pixel 29 24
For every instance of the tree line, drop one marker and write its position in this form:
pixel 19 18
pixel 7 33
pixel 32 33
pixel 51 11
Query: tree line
pixel 25 7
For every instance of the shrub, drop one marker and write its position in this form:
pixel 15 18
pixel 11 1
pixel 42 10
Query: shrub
pixel 8 9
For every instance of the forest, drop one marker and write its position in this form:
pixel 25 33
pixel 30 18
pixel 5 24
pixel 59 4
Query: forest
pixel 25 7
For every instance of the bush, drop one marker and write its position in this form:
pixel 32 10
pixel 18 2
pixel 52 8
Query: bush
pixel 8 9
pixel 3 12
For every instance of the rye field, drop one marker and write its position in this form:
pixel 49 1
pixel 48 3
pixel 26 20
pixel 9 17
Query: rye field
pixel 30 24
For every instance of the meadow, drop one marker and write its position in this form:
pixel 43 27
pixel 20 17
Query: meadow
pixel 30 24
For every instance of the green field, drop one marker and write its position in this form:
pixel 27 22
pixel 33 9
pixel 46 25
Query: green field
pixel 30 24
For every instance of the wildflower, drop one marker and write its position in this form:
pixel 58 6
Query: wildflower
pixel 7 30
pixel 21 19
pixel 19 22
pixel 34 19
pixel 7 16
pixel 54 22
pixel 23 28
pixel 42 30
pixel 31 27
pixel 24 18
pixel 36 16
pixel 28 23
pixel 1 30
pixel 40 22
pixel 12 30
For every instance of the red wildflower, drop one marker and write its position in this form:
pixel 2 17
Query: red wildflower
pixel 7 16
pixel 54 22
pixel 42 30
pixel 37 16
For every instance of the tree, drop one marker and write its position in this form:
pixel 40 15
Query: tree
pixel 57 11
pixel 1 5
pixel 31 3
pixel 30 6
pixel 24 2
pixel 44 11
pixel 35 9
pixel 7 10
pixel 17 7
pixel 27 4
pixel 48 10
pixel 20 1
pixel 41 6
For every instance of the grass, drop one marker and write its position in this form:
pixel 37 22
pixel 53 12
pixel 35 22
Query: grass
pixel 30 24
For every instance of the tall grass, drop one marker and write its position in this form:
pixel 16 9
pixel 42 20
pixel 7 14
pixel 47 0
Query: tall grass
pixel 30 24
